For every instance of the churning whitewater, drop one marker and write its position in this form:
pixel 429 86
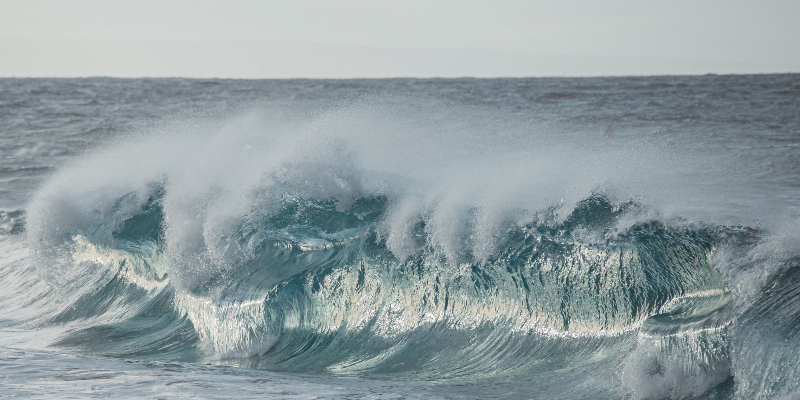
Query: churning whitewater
pixel 409 238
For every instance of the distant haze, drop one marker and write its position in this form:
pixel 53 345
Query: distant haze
pixel 284 39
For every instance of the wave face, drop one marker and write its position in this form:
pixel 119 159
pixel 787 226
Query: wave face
pixel 365 242
pixel 313 288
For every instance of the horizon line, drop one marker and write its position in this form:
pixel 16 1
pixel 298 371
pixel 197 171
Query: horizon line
pixel 246 59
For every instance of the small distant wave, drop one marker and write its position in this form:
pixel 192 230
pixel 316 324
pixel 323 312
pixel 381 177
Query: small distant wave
pixel 12 222
pixel 44 150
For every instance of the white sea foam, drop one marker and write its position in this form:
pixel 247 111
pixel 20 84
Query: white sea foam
pixel 651 372
pixel 451 167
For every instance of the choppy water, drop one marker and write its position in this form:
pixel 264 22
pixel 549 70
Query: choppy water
pixel 401 238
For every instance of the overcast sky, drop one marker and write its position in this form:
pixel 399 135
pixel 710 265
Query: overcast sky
pixel 318 38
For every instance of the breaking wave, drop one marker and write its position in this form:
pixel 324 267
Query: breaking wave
pixel 315 247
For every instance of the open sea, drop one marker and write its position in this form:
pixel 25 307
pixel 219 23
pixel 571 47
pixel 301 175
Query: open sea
pixel 550 238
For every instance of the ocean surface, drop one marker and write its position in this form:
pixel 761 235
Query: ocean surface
pixel 560 238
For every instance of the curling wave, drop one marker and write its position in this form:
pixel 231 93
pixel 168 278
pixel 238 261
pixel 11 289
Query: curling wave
pixel 323 257
pixel 313 287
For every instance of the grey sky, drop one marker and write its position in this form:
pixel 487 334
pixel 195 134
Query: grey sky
pixel 36 36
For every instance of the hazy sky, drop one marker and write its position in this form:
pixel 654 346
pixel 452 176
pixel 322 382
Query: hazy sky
pixel 87 36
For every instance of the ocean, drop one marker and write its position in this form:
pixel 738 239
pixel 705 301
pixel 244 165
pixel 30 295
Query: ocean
pixel 531 238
